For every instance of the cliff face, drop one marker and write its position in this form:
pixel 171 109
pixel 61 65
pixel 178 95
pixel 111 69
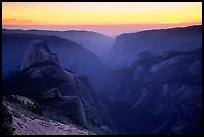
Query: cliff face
pixel 38 53
pixel 127 46
pixel 159 94
pixel 60 93
pixel 155 87
pixel 71 56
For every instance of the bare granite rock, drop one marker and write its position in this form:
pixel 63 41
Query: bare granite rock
pixel 21 121
pixel 37 53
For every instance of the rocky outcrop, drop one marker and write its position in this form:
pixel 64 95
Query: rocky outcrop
pixel 72 55
pixel 66 109
pixel 27 103
pixel 38 53
pixel 18 120
pixel 159 94
pixel 62 96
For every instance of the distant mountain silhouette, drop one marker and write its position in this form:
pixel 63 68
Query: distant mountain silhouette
pixel 128 45
pixel 151 83
pixel 71 55
pixel 97 43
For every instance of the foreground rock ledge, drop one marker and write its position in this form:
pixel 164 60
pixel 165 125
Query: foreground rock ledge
pixel 18 120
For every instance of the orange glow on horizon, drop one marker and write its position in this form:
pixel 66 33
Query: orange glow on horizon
pixel 100 15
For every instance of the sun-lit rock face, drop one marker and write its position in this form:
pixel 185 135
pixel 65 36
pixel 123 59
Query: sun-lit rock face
pixel 38 53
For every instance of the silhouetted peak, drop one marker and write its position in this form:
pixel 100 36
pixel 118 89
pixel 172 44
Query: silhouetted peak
pixel 38 52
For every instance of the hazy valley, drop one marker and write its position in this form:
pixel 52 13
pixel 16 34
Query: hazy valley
pixel 82 82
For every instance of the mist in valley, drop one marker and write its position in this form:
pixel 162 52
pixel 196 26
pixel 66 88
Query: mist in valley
pixel 147 82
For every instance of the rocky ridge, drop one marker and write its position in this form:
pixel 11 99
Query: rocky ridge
pixel 63 97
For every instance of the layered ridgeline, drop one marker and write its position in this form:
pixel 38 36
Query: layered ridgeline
pixel 157 86
pixel 44 94
pixel 71 56
pixel 159 93
pixel 128 45
pixel 97 43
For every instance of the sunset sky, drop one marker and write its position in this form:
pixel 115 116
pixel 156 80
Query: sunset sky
pixel 110 18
